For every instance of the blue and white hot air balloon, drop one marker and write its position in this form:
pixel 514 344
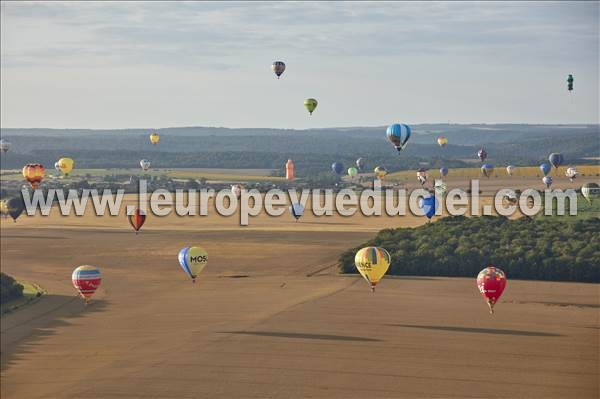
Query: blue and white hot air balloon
pixel 398 134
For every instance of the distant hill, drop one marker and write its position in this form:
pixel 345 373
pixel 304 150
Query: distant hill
pixel 313 149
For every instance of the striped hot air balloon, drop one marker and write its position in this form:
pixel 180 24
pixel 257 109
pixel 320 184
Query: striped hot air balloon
pixel 86 280
pixel 137 219
pixel 372 263
pixel 398 134
pixel 278 67
pixel 34 173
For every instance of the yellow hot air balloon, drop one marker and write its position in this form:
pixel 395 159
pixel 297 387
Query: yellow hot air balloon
pixel 442 141
pixel 4 208
pixel 154 138
pixel 66 165
pixel 372 263
pixel 193 260
pixel 380 172
pixel 310 104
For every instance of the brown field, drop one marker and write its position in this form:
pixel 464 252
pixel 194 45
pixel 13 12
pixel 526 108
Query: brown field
pixel 270 317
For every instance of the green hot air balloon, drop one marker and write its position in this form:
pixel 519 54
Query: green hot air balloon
pixel 310 104
pixel 352 171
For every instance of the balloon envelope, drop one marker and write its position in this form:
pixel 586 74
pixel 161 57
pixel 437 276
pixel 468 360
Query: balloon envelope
pixel 278 67
pixel 545 168
pixel 571 172
pixel 398 134
pixel 372 263
pixel 193 260
pixel 491 282
pixel 154 138
pixel 510 169
pixel 428 206
pixel 310 104
pixel 443 171
pixel 34 173
pixel 145 164
pixel 352 171
pixel 137 219
pixel 337 167
pixel 487 170
pixel 15 207
pixel 556 159
pixel 442 141
pixel 547 180
pixel 86 280
pixel 297 210
pixel 482 154
pixel 4 146
pixel 590 191
pixel 66 165
pixel 361 163
pixel 380 172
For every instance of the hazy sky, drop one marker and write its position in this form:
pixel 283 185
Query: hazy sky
pixel 119 65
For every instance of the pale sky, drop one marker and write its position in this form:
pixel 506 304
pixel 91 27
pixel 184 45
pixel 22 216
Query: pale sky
pixel 163 64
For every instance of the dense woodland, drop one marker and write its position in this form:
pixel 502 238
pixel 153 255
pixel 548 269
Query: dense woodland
pixel 9 288
pixel 538 249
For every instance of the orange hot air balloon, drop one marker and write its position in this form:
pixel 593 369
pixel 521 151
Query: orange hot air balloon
pixel 34 173
pixel 289 170
pixel 136 220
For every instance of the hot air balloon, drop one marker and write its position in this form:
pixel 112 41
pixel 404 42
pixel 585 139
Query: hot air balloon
pixel 570 81
pixel 137 219
pixel 556 159
pixel 4 208
pixel 380 172
pixel 145 164
pixel 297 210
pixel 590 191
pixel 429 206
pixel 510 169
pixel 278 67
pixel 545 168
pixel 372 263
pixel 57 166
pixel 154 138
pixel 511 198
pixel 571 172
pixel 4 146
pixel 487 170
pixel 193 260
pixel 443 171
pixel 15 207
pixel 398 134
pixel 547 181
pixel 289 170
pixel 361 163
pixel 310 104
pixel 352 171
pixel 34 173
pixel 66 165
pixel 442 141
pixel 440 188
pixel 86 280
pixel 237 189
pixel 482 154
pixel 422 176
pixel 491 282
pixel 337 167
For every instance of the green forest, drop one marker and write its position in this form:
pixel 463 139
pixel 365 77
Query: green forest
pixel 525 248
pixel 9 288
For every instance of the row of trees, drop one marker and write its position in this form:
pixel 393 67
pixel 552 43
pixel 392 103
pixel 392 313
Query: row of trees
pixel 539 249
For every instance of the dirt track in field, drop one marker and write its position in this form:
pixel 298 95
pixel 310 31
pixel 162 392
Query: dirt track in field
pixel 270 317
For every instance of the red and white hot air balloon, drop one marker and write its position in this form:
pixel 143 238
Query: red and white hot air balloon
pixel 86 280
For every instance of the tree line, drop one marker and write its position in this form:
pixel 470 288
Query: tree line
pixel 525 248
